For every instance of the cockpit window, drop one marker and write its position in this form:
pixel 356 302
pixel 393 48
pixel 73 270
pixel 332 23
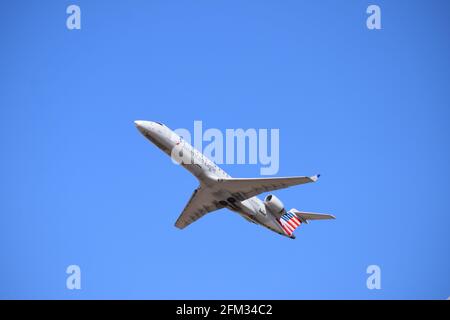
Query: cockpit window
pixel 159 123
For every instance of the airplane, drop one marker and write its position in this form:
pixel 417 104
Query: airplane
pixel 218 190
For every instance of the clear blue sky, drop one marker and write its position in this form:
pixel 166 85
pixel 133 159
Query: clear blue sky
pixel 367 109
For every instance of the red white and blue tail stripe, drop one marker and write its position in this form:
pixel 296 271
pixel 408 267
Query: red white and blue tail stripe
pixel 289 222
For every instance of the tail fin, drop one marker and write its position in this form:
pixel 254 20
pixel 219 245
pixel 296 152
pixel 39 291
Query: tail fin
pixel 289 222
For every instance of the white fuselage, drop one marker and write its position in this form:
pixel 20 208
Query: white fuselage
pixel 207 172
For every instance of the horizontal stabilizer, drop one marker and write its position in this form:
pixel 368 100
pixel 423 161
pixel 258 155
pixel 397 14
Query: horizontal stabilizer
pixel 292 219
pixel 308 216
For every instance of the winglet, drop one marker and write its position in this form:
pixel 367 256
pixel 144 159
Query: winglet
pixel 315 178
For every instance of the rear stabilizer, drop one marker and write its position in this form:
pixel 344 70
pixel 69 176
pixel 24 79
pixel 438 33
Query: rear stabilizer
pixel 304 217
pixel 292 219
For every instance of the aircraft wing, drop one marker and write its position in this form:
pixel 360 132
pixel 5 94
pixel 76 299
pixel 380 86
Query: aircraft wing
pixel 200 203
pixel 244 188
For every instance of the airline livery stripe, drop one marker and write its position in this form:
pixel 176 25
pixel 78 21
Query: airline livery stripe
pixel 287 231
pixel 293 224
pixel 287 226
pixel 291 227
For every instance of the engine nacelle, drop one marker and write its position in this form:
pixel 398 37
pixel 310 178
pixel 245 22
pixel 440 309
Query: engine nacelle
pixel 274 205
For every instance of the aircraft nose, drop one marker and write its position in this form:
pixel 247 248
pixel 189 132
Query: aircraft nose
pixel 139 123
pixel 144 125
